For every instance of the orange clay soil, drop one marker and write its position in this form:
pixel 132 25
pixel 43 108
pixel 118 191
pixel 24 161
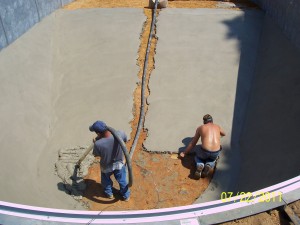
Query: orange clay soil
pixel 79 4
pixel 160 180
pixel 136 4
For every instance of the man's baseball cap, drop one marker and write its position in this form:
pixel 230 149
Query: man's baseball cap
pixel 98 127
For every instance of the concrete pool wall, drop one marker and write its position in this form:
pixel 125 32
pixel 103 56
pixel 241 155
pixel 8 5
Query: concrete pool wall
pixel 18 16
pixel 286 14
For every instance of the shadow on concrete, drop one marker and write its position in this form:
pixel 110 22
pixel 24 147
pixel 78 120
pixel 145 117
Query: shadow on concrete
pixel 248 35
pixel 246 29
pixel 186 142
pixel 97 193
pixel 188 161
pixel 269 139
pixel 62 187
pixel 264 142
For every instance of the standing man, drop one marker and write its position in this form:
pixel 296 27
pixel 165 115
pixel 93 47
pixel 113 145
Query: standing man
pixel 206 156
pixel 112 159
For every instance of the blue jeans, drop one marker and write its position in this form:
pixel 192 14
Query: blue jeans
pixel 206 157
pixel 120 176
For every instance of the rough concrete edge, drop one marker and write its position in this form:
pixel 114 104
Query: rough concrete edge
pixel 72 176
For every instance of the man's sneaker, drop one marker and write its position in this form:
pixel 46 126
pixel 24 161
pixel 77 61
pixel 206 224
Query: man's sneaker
pixel 126 199
pixel 198 171
pixel 110 196
pixel 206 170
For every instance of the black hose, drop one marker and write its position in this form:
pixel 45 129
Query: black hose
pixel 124 149
pixel 142 116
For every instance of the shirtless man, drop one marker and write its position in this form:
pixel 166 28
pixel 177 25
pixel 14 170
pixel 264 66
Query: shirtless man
pixel 206 156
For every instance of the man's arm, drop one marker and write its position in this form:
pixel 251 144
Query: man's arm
pixel 222 133
pixel 96 151
pixel 192 144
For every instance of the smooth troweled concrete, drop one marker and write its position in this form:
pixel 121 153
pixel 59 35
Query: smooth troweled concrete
pixel 71 69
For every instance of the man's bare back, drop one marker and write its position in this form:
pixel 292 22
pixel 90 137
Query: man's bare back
pixel 207 155
pixel 210 136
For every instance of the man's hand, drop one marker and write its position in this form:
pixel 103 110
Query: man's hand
pixel 96 139
pixel 182 154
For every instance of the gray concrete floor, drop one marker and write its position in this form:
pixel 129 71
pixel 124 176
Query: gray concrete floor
pixel 79 66
pixel 71 69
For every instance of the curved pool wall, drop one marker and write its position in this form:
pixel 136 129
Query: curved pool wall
pixel 286 15
pixel 265 151
pixel 17 16
pixel 212 212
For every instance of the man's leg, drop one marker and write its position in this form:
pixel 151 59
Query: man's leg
pixel 107 184
pixel 210 163
pixel 199 166
pixel 121 177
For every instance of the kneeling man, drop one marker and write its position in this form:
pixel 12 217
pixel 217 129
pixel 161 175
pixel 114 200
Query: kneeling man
pixel 206 156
